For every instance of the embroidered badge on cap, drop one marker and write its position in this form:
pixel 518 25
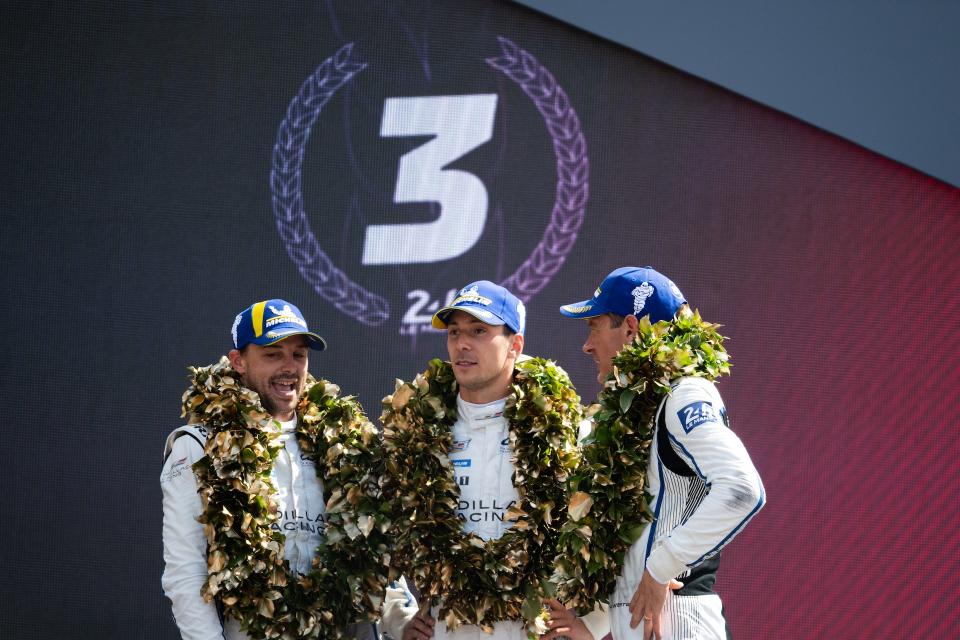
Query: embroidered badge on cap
pixel 471 294
pixel 640 295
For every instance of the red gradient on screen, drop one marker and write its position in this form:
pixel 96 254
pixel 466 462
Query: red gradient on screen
pixel 844 337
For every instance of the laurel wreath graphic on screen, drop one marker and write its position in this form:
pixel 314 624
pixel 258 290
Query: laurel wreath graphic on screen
pixel 573 169
pixel 291 217
pixel 332 283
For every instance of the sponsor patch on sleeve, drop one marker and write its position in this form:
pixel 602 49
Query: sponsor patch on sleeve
pixel 177 469
pixel 695 414
pixel 463 462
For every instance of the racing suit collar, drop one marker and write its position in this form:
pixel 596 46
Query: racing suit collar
pixel 473 412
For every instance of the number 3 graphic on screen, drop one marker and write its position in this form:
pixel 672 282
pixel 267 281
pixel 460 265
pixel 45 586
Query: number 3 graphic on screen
pixel 461 124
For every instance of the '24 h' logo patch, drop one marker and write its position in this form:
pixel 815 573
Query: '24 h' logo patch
pixel 695 414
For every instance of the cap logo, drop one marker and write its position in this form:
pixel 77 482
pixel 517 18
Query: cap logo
pixel 521 314
pixel 471 295
pixel 286 314
pixel 640 295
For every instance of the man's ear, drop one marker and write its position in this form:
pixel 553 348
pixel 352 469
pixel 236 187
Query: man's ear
pixel 516 345
pixel 237 361
pixel 630 324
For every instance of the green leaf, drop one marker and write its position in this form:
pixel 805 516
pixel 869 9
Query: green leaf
pixel 625 399
pixel 549 588
pixel 531 608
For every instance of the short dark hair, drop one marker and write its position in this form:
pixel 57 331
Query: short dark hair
pixel 616 319
pixel 507 331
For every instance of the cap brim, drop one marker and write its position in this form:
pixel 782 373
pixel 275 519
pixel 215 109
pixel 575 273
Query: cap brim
pixel 585 309
pixel 487 317
pixel 314 341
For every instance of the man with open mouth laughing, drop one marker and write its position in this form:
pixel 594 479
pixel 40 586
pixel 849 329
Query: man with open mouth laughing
pixel 271 346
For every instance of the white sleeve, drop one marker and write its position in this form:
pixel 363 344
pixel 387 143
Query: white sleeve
pixel 695 419
pixel 184 544
pixel 597 621
pixel 399 607
pixel 584 429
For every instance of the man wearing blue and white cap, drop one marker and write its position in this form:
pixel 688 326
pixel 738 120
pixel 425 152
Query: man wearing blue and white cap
pixel 485 326
pixel 270 350
pixel 624 296
pixel 703 484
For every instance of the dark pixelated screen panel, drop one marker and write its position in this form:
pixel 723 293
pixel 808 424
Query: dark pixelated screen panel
pixel 165 165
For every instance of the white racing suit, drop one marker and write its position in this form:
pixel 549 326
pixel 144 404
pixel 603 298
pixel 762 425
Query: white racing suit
pixel 705 489
pixel 481 457
pixel 300 511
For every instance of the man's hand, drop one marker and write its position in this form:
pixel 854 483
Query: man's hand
pixel 420 627
pixel 647 604
pixel 564 622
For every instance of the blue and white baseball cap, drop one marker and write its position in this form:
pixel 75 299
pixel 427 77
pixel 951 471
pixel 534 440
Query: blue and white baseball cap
pixel 271 321
pixel 487 302
pixel 631 291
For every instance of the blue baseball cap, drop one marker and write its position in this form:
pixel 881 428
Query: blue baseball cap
pixel 487 302
pixel 271 321
pixel 631 291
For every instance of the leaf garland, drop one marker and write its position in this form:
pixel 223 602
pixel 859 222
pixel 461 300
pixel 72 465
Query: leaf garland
pixel 247 571
pixel 477 582
pixel 608 507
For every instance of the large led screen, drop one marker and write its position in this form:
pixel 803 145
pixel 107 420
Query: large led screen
pixel 166 164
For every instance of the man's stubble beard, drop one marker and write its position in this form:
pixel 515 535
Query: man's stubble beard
pixel 267 402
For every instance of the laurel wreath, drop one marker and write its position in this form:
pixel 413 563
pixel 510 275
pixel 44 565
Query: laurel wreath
pixel 477 582
pixel 247 571
pixel 608 506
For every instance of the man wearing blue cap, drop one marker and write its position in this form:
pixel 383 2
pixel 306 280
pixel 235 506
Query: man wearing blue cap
pixel 703 485
pixel 484 327
pixel 271 345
